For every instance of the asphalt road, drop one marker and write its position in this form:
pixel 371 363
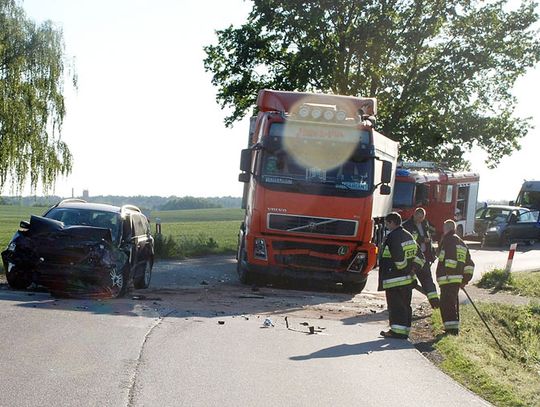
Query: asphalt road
pixel 167 347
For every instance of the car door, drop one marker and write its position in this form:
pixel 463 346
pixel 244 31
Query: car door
pixel 142 240
pixel 523 226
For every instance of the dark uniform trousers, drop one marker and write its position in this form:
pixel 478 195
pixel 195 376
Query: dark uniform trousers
pixel 428 285
pixel 399 308
pixel 450 306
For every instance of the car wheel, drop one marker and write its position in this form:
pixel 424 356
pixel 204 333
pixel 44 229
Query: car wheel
pixel 143 280
pixel 530 242
pixel 117 281
pixel 17 279
pixel 241 268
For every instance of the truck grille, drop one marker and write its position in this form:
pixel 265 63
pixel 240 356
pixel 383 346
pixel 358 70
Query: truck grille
pixel 301 261
pixel 312 225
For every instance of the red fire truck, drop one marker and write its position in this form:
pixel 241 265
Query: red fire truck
pixel 317 187
pixel 442 193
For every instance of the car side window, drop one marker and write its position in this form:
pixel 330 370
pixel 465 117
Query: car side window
pixel 525 217
pixel 139 226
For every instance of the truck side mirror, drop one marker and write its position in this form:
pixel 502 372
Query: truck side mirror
pixel 24 224
pixel 243 177
pixel 385 190
pixel 386 174
pixel 245 160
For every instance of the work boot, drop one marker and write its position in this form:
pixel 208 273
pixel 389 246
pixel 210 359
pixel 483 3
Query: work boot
pixel 392 334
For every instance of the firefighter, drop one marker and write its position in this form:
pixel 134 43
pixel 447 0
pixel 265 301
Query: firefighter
pixel 418 226
pixel 400 258
pixel 454 270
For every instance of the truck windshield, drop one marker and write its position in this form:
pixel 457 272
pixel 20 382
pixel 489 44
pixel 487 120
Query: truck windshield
pixel 281 170
pixel 403 195
pixel 529 199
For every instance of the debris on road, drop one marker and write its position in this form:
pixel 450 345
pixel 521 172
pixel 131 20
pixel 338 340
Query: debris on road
pixel 268 323
pixel 221 322
pixel 204 282
pixel 251 296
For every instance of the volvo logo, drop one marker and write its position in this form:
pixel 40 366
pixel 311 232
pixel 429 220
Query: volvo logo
pixel 342 250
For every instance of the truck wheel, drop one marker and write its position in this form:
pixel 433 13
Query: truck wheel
pixel 143 280
pixel 17 279
pixel 355 287
pixel 241 268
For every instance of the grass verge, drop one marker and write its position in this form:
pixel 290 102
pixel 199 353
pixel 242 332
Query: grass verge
pixel 522 283
pixel 474 360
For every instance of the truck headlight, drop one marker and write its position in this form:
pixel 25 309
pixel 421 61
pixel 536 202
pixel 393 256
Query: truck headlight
pixel 358 263
pixel 260 249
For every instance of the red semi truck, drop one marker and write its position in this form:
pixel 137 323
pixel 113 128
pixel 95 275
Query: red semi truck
pixel 318 183
pixel 444 194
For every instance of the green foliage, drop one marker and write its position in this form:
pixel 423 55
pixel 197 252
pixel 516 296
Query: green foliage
pixel 32 109
pixel 522 283
pixel 496 278
pixel 10 217
pixel 188 202
pixel 199 215
pixel 473 358
pixel 442 71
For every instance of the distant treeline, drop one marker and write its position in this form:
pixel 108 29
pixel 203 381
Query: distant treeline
pixel 143 202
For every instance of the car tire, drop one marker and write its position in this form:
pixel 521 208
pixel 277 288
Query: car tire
pixel 530 242
pixel 143 280
pixel 241 267
pixel 118 282
pixel 18 280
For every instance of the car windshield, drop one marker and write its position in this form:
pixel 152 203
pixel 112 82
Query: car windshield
pixel 493 214
pixel 403 194
pixel 87 217
pixel 281 170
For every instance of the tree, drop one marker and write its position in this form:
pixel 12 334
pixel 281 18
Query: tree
pixel 31 100
pixel 442 71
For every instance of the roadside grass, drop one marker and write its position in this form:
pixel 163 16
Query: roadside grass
pixel 198 215
pixel 474 360
pixel 189 239
pixel 10 217
pixel 521 283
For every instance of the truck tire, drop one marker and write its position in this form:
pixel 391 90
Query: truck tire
pixel 241 268
pixel 355 287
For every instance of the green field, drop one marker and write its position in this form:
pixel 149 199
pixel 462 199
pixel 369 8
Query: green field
pixel 10 217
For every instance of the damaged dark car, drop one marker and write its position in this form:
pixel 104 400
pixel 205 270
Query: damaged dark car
pixel 82 249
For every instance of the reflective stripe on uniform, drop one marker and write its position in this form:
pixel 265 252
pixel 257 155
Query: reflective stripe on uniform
pixel 409 249
pixel 452 264
pixel 386 252
pixel 451 324
pixel 400 329
pixel 461 253
pixel 458 278
pixel 432 295
pixel 468 270
pixel 441 255
pixel 400 265
pixel 398 281
pixel 419 261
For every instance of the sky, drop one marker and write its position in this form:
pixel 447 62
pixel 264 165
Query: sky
pixel 145 121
